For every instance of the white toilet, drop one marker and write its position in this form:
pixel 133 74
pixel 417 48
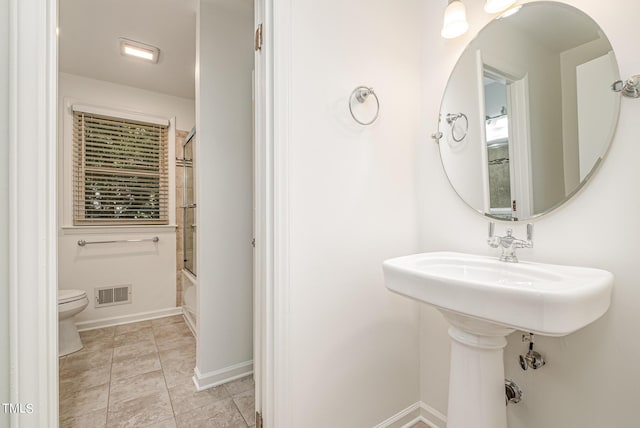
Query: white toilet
pixel 70 303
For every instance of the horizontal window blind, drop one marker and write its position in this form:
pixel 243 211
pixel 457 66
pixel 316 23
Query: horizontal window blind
pixel 120 171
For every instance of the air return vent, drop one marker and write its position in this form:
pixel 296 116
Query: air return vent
pixel 114 295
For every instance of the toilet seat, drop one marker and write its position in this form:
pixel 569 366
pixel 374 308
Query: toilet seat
pixel 67 296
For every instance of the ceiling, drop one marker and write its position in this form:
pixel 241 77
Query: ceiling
pixel 89 45
pixel 557 27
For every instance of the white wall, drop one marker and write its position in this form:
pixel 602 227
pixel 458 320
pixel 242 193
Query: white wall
pixel 353 344
pixel 150 268
pixel 224 186
pixel 4 213
pixel 112 95
pixel 591 376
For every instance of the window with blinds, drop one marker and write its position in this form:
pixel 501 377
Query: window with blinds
pixel 120 171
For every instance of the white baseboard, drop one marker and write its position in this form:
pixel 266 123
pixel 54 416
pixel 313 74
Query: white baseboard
pixel 218 377
pixel 127 319
pixel 404 418
pixel 417 412
pixel 191 322
pixel 432 417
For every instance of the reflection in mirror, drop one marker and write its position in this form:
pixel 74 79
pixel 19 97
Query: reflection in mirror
pixel 497 138
pixel 534 89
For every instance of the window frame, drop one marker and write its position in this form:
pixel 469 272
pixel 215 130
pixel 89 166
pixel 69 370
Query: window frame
pixel 75 215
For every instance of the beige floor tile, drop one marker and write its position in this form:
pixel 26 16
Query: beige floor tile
pixel 97 340
pixel 98 333
pixel 172 332
pixel 120 379
pixel 127 389
pixel 133 350
pixel 131 337
pixel 77 403
pixel 135 366
pixel 185 398
pixel 100 344
pixel 181 342
pixel 166 326
pixel 167 423
pixel 221 414
pixel 159 322
pixel 240 385
pixel 245 402
pixel 420 425
pixel 72 381
pixel 178 372
pixel 85 360
pixel 164 340
pixel 127 328
pixel 140 412
pixel 95 419
pixel 178 354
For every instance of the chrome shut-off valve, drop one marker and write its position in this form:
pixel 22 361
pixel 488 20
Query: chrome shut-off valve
pixel 512 393
pixel 532 358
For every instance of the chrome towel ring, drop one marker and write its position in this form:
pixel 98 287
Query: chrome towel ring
pixel 360 94
pixel 452 120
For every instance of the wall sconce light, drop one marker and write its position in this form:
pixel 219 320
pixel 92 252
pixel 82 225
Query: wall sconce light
pixel 455 16
pixel 455 20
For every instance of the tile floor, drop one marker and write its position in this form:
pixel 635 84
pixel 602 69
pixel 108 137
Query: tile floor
pixel 139 375
pixel 420 425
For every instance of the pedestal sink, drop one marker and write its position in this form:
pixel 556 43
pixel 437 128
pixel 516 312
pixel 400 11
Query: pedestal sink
pixel 484 300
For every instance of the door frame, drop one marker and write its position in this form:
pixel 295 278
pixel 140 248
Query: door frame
pixel 33 315
pixel 273 135
pixel 33 342
pixel 519 140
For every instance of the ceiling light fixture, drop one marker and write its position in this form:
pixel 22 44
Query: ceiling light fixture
pixel 495 6
pixel 455 20
pixel 139 50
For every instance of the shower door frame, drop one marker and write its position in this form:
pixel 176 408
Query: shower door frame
pixel 186 206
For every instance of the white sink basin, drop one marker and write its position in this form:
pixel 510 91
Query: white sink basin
pixel 484 300
pixel 551 300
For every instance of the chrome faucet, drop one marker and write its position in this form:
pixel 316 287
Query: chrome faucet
pixel 509 244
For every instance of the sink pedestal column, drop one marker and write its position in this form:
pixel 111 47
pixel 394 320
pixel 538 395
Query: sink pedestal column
pixel 476 381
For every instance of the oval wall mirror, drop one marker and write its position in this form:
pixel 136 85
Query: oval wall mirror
pixel 528 112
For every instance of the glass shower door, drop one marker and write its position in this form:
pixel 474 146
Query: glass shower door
pixel 189 207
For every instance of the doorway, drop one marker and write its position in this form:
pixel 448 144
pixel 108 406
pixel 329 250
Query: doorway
pixel 505 109
pixel 34 102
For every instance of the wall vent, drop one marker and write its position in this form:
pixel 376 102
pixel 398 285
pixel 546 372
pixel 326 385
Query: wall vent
pixel 113 295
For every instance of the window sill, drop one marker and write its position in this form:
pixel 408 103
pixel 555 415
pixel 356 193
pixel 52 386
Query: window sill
pixel 113 230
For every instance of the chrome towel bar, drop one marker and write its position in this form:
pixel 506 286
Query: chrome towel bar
pixel 82 242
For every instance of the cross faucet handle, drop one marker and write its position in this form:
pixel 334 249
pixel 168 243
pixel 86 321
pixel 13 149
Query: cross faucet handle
pixel 508 244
